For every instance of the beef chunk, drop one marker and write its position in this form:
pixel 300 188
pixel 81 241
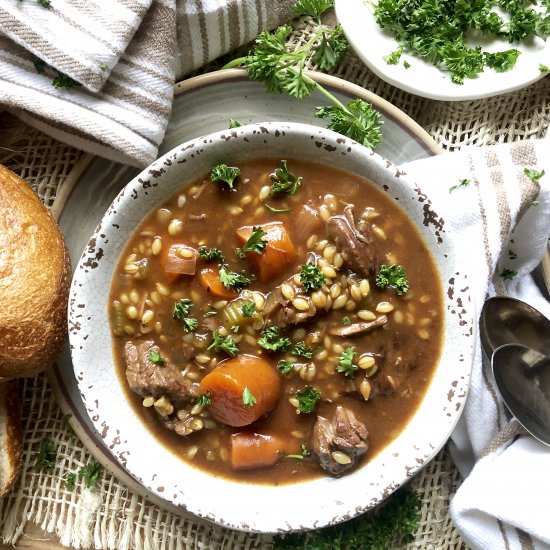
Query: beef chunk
pixel 358 328
pixel 355 243
pixel 337 440
pixel 148 378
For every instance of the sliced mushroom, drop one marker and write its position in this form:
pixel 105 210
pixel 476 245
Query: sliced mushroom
pixel 358 328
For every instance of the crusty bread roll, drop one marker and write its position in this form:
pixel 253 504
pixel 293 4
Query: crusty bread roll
pixel 10 436
pixel 34 281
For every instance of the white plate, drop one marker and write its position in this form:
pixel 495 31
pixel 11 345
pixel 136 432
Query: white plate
pixel 371 44
pixel 202 105
pixel 282 508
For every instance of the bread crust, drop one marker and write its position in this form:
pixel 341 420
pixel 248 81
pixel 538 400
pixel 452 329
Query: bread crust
pixel 11 435
pixel 34 281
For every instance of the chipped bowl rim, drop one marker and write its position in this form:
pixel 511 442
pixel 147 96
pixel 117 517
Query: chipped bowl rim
pixel 305 505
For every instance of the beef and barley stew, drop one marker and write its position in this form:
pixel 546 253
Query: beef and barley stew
pixel 276 321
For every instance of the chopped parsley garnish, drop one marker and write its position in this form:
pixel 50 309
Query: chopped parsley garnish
pixel 272 340
pixel 211 254
pixel 311 277
pixel 256 242
pixel 248 399
pixel 462 183
pixel 47 453
pixel 233 280
pixel 508 274
pixel 284 181
pixel 45 3
pixel 544 68
pixel 345 362
pixel 512 255
pixel 190 324
pixel 302 350
pixel 532 174
pixel 181 308
pixel 234 123
pixel 156 357
pixel 393 276
pixel 394 57
pixel 315 8
pixel 223 343
pixel 437 30
pixel 304 453
pixel 307 399
pixel 285 367
pixel 406 64
pixel 204 399
pixel 248 309
pixel 225 174
pixel 239 253
pixel 91 473
pixel 282 69
pixel 346 320
pixel 70 481
pixel 181 311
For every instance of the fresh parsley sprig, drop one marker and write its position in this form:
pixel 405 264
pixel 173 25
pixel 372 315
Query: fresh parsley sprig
pixel 314 8
pixel 283 71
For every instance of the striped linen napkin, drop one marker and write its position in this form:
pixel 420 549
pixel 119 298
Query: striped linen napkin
pixel 100 74
pixel 503 219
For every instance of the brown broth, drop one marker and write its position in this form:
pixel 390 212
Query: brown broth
pixel 415 324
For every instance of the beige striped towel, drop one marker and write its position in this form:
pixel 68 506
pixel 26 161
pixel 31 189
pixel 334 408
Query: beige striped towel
pixel 503 219
pixel 99 74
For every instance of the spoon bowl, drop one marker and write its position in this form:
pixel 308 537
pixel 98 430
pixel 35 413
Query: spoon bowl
pixel 510 321
pixel 522 375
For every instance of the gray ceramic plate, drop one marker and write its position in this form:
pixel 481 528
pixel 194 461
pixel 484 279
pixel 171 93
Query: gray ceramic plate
pixel 203 104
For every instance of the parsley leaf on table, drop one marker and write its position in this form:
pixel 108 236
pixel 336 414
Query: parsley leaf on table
pixel 508 274
pixel 283 71
pixel 393 276
pixel 47 454
pixel 532 174
pixel 91 473
pixel 315 8
pixel 394 57
pixel 462 183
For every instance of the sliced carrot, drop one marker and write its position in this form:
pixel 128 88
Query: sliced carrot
pixel 227 384
pixel 210 280
pixel 278 254
pixel 253 450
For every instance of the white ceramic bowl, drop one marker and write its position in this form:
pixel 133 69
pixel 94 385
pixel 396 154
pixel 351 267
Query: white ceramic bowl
pixel 305 505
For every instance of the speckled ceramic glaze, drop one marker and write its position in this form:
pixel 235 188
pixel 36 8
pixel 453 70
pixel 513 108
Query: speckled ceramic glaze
pixel 255 507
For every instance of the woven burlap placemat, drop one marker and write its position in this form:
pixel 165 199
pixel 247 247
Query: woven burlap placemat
pixel 110 516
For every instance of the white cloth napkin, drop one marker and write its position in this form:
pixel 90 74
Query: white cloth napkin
pixel 503 220
pixel 123 57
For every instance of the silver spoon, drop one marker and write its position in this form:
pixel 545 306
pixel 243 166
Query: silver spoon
pixel 522 375
pixel 510 321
